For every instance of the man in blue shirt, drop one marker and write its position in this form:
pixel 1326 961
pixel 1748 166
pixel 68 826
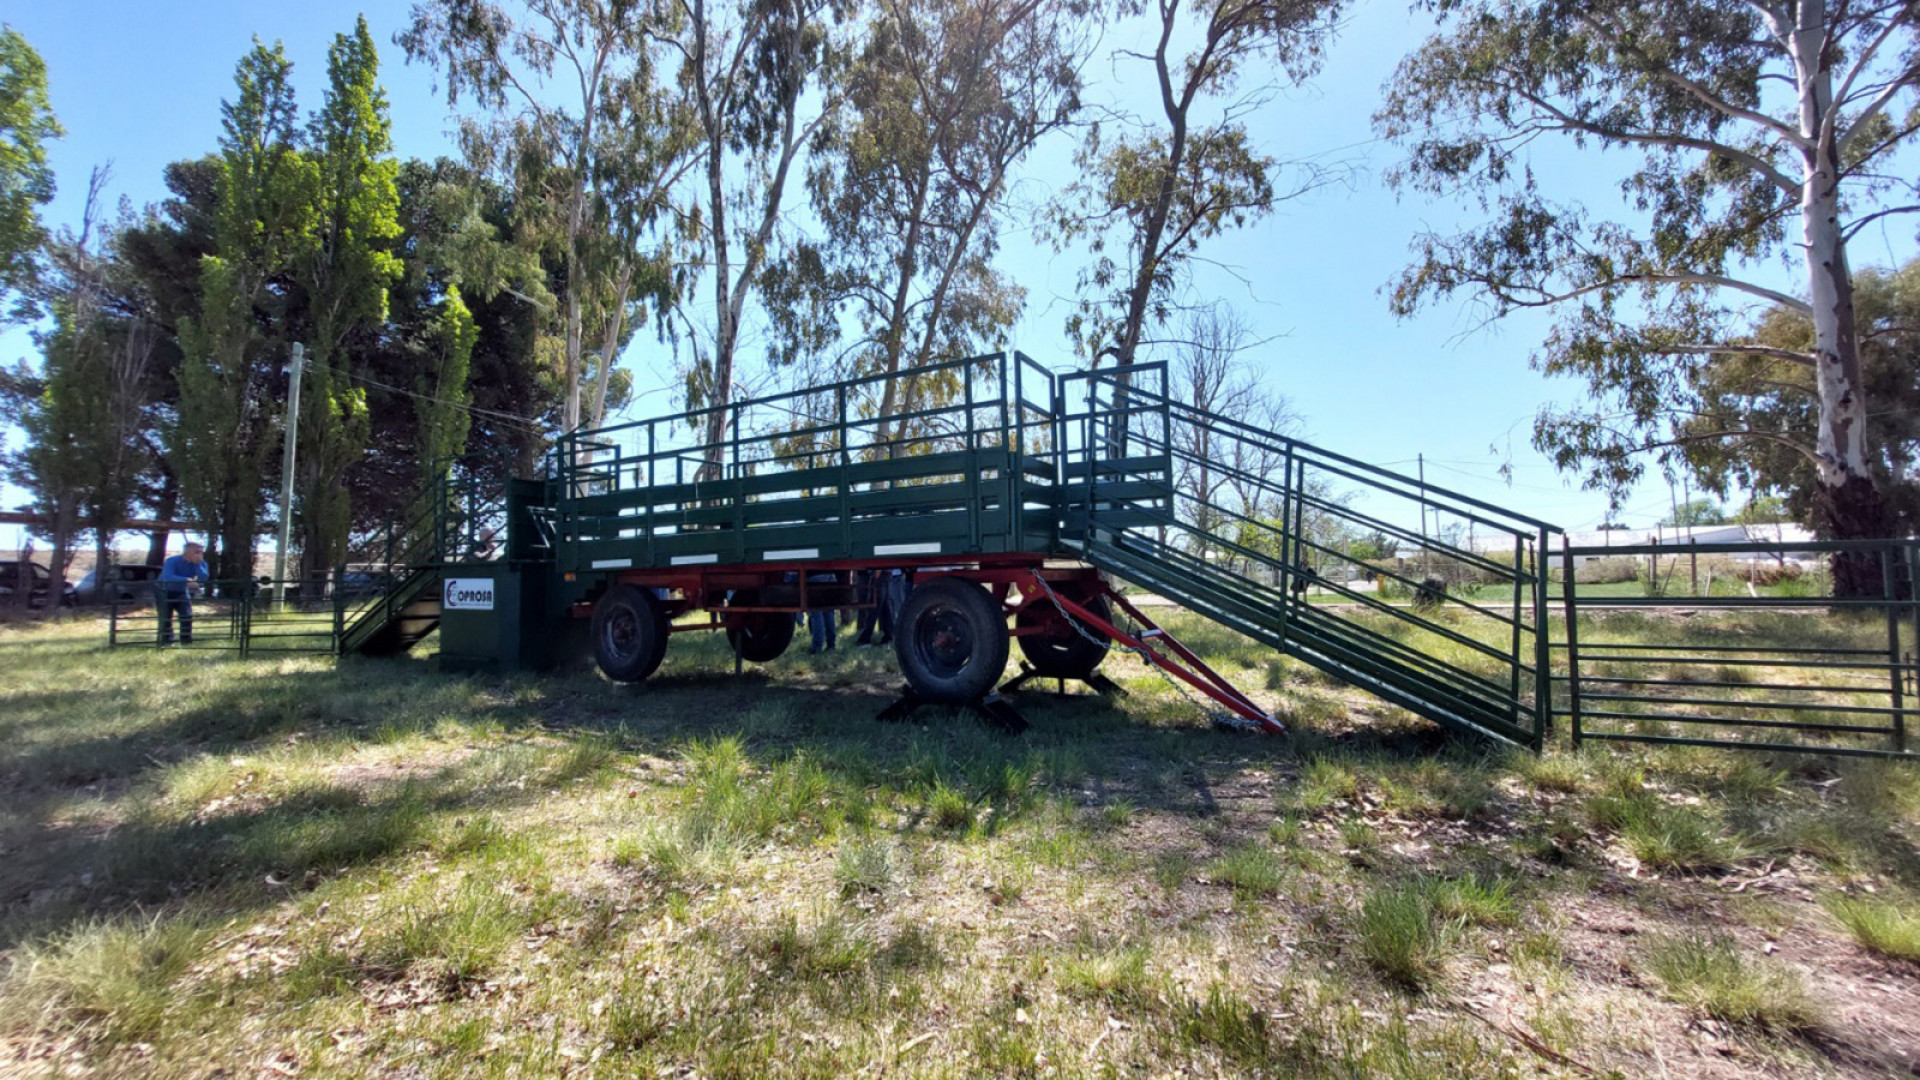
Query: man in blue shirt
pixel 178 578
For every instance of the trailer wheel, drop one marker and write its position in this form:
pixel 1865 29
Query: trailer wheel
pixel 951 641
pixel 629 633
pixel 1061 652
pixel 761 636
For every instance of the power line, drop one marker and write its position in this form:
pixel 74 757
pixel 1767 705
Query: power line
pixel 527 424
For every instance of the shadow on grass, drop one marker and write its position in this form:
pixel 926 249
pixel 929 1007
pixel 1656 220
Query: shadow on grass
pixel 115 762
pixel 1082 748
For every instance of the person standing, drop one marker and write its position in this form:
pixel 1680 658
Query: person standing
pixel 820 620
pixel 179 576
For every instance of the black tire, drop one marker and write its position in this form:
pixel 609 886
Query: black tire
pixel 761 636
pixel 951 639
pixel 629 633
pixel 1063 654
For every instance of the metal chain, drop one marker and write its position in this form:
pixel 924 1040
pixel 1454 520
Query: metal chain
pixel 1220 717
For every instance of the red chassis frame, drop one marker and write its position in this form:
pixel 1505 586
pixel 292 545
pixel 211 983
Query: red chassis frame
pixel 1014 580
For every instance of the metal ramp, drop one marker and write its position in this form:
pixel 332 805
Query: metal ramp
pixel 1264 535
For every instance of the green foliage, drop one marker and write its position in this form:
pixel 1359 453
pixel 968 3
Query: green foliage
pixel 344 264
pixel 942 102
pixel 225 427
pixel 1778 394
pixel 1696 512
pixel 26 180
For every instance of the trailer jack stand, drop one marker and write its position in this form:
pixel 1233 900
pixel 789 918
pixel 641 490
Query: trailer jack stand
pixel 1095 681
pixel 993 710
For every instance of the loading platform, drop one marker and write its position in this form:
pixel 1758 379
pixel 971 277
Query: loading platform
pixel 1018 502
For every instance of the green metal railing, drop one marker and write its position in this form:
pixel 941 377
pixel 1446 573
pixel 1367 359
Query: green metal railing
pixel 947 454
pixel 1756 652
pixel 461 518
pixel 1257 531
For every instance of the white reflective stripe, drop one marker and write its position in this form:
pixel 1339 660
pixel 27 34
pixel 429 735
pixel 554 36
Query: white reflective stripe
pixel 612 564
pixel 691 560
pixel 796 553
pixel 907 549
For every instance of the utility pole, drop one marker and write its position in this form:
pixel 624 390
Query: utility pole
pixel 1426 561
pixel 291 437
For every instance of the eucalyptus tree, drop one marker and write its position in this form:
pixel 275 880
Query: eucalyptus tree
pixel 637 270
pixel 1762 137
pixel 1747 390
pixel 343 263
pixel 226 421
pixel 26 179
pixel 565 84
pixel 752 74
pixel 909 180
pixel 1172 180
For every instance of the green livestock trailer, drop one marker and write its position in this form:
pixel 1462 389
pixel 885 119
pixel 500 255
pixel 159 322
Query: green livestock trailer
pixel 1013 498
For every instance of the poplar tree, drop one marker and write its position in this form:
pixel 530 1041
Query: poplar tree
pixel 227 422
pixel 441 393
pixel 344 264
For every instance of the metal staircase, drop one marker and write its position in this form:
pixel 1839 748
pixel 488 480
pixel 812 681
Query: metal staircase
pixel 460 518
pixel 1259 533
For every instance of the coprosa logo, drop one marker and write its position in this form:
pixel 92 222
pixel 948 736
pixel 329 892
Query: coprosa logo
pixel 467 594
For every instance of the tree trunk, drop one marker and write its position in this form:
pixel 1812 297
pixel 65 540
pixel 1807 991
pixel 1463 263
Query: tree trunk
pixel 1149 266
pixel 65 520
pixel 1848 503
pixel 909 268
pixel 720 392
pixel 610 344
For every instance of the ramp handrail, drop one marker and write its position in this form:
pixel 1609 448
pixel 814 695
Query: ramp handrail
pixel 1245 522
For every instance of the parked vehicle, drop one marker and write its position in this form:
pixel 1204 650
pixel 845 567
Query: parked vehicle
pixel 134 584
pixel 42 584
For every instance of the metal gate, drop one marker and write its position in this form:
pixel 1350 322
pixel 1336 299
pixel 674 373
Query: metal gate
pixel 1739 645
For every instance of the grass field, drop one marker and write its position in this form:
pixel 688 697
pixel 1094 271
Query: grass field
pixel 287 867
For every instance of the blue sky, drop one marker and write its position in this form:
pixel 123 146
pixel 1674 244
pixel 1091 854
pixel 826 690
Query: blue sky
pixel 140 84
